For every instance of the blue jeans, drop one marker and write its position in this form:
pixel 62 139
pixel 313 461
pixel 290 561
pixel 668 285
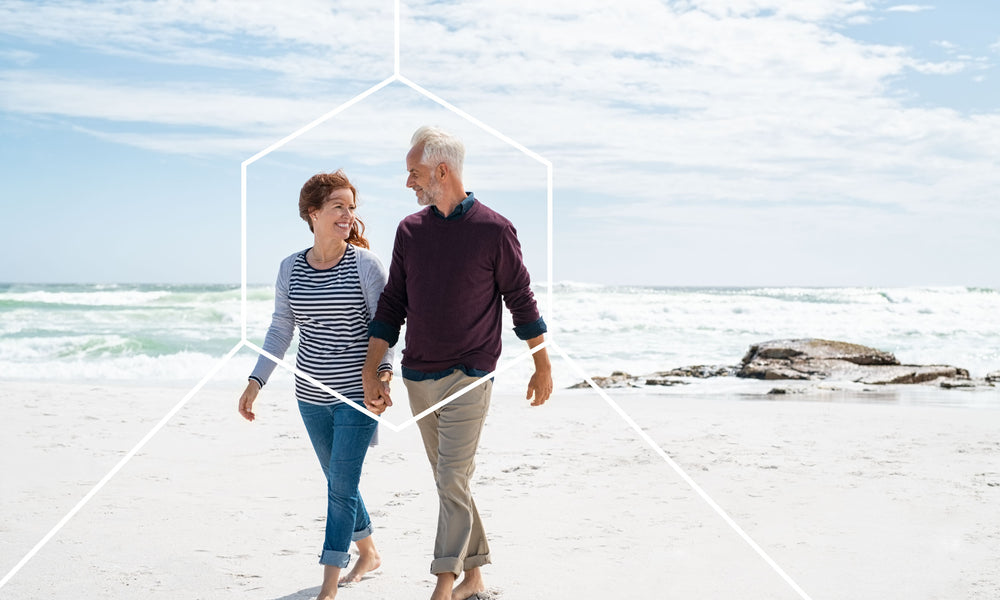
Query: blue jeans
pixel 340 435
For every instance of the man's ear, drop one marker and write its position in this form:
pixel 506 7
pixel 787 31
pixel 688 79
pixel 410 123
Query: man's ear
pixel 442 170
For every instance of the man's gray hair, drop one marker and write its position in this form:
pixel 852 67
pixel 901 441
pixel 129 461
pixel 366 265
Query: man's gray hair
pixel 439 147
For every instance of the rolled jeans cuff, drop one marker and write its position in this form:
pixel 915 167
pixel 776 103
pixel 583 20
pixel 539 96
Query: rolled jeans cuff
pixel 361 533
pixel 335 558
pixel 455 565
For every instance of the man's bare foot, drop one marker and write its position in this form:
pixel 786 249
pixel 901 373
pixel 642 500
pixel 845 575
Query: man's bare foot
pixel 470 585
pixel 443 589
pixel 365 564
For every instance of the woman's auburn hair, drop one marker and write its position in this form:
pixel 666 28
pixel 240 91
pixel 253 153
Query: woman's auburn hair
pixel 316 192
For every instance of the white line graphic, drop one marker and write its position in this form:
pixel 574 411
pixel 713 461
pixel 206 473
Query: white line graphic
pixel 687 478
pixel 114 470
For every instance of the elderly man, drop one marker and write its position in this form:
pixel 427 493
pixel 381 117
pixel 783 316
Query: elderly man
pixel 452 264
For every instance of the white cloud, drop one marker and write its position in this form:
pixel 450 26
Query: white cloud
pixel 749 103
pixel 214 122
pixel 909 8
pixel 186 105
pixel 949 67
pixel 303 39
pixel 18 57
pixel 759 110
pixel 958 63
pixel 814 11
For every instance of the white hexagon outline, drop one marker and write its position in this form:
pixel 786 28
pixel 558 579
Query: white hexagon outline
pixel 396 77
pixel 548 343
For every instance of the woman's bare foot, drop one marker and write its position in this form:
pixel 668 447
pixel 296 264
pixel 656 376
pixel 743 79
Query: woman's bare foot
pixel 365 564
pixel 368 560
pixel 331 575
pixel 470 585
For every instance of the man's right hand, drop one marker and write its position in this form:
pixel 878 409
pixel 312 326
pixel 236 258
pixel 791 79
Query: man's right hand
pixel 376 385
pixel 377 397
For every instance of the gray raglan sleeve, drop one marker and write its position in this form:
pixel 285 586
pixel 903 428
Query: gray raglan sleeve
pixel 373 279
pixel 282 329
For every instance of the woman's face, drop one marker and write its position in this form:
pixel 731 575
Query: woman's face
pixel 337 215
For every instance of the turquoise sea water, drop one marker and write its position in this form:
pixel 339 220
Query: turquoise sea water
pixel 176 332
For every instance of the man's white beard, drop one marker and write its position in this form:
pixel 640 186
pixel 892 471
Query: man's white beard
pixel 430 194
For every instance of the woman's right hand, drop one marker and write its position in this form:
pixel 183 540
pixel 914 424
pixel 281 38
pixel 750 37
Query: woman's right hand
pixel 246 400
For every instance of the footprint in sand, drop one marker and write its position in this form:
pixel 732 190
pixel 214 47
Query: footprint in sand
pixel 526 469
pixel 402 497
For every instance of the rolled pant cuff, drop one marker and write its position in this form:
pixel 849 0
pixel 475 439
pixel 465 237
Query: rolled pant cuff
pixel 471 562
pixel 361 534
pixel 457 566
pixel 335 558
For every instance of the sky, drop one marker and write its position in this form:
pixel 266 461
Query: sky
pixel 711 143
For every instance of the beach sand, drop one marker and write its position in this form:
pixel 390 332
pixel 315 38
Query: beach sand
pixel 852 499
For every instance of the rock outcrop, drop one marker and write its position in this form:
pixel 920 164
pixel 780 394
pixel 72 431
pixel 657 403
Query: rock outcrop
pixel 621 379
pixel 617 379
pixel 811 359
pixel 808 359
pixel 696 371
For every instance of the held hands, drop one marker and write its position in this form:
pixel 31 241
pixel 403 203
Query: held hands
pixel 377 398
pixel 246 400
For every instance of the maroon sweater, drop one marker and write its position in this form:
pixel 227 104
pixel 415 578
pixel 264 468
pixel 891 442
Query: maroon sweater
pixel 446 281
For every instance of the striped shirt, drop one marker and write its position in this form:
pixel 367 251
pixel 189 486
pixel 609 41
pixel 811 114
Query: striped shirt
pixel 332 317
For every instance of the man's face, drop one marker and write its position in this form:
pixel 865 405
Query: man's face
pixel 419 178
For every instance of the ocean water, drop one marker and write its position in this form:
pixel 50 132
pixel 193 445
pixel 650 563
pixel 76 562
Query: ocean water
pixel 176 333
pixel 115 332
pixel 642 330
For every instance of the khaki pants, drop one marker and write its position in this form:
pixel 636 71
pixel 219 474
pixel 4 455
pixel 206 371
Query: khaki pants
pixel 451 436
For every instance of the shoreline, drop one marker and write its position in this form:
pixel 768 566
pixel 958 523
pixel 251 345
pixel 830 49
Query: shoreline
pixel 736 389
pixel 233 377
pixel 851 499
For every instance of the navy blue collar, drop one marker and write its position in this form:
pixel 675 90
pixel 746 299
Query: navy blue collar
pixel 463 207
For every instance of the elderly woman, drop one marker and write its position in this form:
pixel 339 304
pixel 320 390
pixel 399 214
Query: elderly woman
pixel 329 292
